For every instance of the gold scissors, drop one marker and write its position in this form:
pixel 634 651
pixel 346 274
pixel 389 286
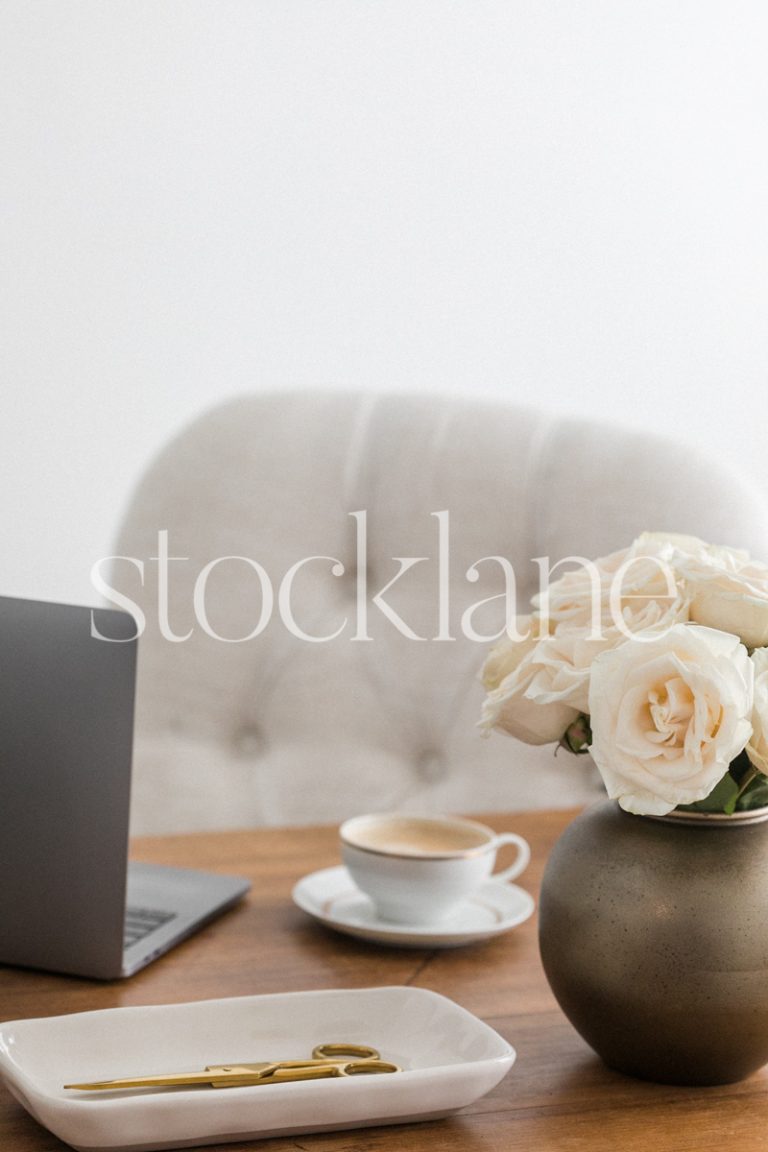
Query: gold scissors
pixel 327 1060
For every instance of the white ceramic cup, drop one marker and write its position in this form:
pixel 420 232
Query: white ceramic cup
pixel 418 869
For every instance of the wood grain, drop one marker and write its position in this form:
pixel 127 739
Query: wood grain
pixel 558 1095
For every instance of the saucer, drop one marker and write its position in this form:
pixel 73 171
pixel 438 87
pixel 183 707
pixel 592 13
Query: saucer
pixel 332 898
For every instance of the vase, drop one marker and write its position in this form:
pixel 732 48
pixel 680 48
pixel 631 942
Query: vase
pixel 654 939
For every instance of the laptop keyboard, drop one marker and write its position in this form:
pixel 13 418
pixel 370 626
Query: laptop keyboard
pixel 139 922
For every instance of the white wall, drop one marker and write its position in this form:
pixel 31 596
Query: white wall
pixel 563 200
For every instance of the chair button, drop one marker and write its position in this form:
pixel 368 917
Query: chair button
pixel 250 742
pixel 429 765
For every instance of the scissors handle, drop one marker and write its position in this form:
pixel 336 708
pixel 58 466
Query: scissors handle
pixel 289 1070
pixel 327 1060
pixel 345 1052
pixel 324 1058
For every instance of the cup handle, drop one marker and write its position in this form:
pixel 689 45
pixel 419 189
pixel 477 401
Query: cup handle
pixel 523 856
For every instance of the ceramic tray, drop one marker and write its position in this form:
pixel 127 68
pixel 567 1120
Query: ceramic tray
pixel 449 1058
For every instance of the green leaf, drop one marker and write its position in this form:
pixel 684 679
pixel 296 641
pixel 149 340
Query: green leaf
pixel 722 798
pixel 741 768
pixel 755 795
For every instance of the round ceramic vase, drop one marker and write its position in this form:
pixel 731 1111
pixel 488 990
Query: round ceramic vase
pixel 654 939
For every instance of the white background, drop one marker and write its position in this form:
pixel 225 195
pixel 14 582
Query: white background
pixel 564 201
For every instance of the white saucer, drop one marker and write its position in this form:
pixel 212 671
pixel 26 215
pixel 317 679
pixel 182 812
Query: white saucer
pixel 331 897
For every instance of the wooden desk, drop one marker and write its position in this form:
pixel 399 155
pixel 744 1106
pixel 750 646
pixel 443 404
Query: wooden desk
pixel 558 1096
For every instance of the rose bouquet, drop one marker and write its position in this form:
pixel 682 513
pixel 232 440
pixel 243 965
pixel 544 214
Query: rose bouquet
pixel 654 660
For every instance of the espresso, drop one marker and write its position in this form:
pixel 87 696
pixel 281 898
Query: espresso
pixel 414 837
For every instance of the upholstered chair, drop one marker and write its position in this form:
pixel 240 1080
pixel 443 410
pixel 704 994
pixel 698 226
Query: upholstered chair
pixel 288 514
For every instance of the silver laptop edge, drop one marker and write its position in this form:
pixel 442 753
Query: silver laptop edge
pixel 66 742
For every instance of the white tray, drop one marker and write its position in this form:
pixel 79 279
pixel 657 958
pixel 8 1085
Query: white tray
pixel 449 1058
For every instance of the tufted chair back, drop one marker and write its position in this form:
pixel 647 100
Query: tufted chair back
pixel 282 681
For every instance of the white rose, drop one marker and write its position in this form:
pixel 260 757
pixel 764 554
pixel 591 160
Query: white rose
pixel 669 716
pixel 734 602
pixel 757 748
pixel 728 590
pixel 560 665
pixel 675 548
pixel 580 594
pixel 619 593
pixel 506 654
pixel 558 669
pixel 506 675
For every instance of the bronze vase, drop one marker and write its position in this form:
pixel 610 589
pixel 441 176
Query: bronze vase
pixel 654 938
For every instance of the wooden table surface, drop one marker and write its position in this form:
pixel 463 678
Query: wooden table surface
pixel 558 1096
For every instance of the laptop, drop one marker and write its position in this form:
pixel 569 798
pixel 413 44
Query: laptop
pixel 70 901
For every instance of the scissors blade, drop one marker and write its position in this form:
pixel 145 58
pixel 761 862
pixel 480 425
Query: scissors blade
pixel 225 1076
pixel 232 1074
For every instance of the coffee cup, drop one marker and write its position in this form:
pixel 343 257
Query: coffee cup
pixel 419 869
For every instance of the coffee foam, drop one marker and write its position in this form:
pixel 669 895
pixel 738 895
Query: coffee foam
pixel 412 836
